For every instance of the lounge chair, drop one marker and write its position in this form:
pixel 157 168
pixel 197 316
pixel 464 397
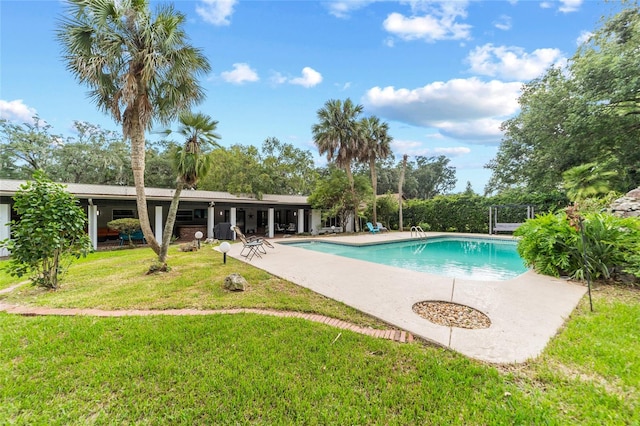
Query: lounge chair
pixel 372 228
pixel 380 227
pixel 251 238
pixel 253 248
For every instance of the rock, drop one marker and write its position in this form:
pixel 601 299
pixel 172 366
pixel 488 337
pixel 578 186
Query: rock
pixel 235 282
pixel 627 206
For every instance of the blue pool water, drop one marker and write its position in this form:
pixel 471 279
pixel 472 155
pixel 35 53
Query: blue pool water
pixel 457 257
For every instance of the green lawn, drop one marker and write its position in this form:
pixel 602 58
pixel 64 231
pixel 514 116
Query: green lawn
pixel 247 368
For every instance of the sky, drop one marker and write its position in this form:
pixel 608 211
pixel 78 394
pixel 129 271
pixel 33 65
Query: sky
pixel 443 74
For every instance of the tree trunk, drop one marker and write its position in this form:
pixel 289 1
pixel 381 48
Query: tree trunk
pixel 168 226
pixel 356 226
pixel 374 184
pixel 136 133
pixel 400 185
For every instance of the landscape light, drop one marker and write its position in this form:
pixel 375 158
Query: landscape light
pixel 224 248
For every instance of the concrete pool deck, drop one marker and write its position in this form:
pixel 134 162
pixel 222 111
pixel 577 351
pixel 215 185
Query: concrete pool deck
pixel 525 312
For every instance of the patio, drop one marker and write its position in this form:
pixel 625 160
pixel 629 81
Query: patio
pixel 525 312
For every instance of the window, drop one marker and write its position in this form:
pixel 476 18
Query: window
pixel 184 216
pixel 200 214
pixel 122 214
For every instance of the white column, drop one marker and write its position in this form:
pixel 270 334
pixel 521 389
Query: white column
pixel 5 229
pixel 271 219
pixel 300 221
pixel 316 221
pixel 211 221
pixel 232 219
pixel 159 224
pixel 92 225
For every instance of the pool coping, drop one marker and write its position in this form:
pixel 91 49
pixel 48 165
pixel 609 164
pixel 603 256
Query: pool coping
pixel 525 312
pixel 298 242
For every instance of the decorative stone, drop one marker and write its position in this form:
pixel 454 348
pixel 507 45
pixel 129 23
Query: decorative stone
pixel 627 206
pixel 451 314
pixel 235 282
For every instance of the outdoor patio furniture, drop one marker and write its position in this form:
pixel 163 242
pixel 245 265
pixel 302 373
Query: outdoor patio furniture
pixel 380 227
pixel 372 228
pixel 251 238
pixel 252 248
pixel 136 236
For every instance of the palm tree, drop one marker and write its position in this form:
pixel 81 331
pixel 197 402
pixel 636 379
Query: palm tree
pixel 588 180
pixel 338 134
pixel 376 146
pixel 191 161
pixel 139 68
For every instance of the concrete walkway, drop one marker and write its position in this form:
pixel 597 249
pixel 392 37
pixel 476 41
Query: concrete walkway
pixel 525 312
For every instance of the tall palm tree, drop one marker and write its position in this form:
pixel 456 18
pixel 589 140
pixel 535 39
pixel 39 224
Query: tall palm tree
pixel 191 161
pixel 338 134
pixel 139 68
pixel 376 146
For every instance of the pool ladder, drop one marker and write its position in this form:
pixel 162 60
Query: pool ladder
pixel 418 231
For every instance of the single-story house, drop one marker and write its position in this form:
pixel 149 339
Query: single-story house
pixel 198 211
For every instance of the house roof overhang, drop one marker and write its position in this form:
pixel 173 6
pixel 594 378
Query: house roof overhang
pixel 110 192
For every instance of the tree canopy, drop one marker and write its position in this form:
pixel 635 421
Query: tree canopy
pixel 587 112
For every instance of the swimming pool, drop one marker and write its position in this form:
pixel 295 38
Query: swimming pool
pixel 480 259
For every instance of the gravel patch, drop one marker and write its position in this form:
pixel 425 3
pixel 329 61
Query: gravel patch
pixel 452 314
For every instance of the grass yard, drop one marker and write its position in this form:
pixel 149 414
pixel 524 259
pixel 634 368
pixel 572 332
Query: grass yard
pixel 252 369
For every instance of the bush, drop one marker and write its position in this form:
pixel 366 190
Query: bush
pixel 552 246
pixel 127 226
pixel 49 233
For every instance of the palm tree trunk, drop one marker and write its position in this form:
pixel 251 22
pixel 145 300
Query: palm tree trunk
pixel 400 185
pixel 356 226
pixel 168 226
pixel 137 166
pixel 374 184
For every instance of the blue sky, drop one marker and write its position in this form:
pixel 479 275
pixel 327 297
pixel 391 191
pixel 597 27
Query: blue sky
pixel 444 75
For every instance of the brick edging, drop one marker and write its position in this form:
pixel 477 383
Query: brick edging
pixel 388 334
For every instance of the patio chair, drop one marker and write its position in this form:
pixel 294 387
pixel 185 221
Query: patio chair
pixel 252 248
pixel 280 228
pixel 372 228
pixel 251 238
pixel 380 227
pixel 291 228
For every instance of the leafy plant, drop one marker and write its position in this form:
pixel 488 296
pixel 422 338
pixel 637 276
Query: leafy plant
pixel 554 247
pixel 126 225
pixel 49 232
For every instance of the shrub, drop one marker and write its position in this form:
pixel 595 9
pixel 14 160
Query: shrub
pixel 552 246
pixel 49 233
pixel 125 226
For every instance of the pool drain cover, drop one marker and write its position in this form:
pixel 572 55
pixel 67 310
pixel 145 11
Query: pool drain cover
pixel 451 314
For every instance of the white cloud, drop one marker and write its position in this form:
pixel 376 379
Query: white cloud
pixel 454 151
pixel 566 6
pixel 512 62
pixel 503 23
pixel 584 37
pixel 465 108
pixel 309 78
pixel 16 110
pixel 342 9
pixel 570 5
pixel 240 74
pixel 216 12
pixel 278 78
pixel 438 23
pixel 413 148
